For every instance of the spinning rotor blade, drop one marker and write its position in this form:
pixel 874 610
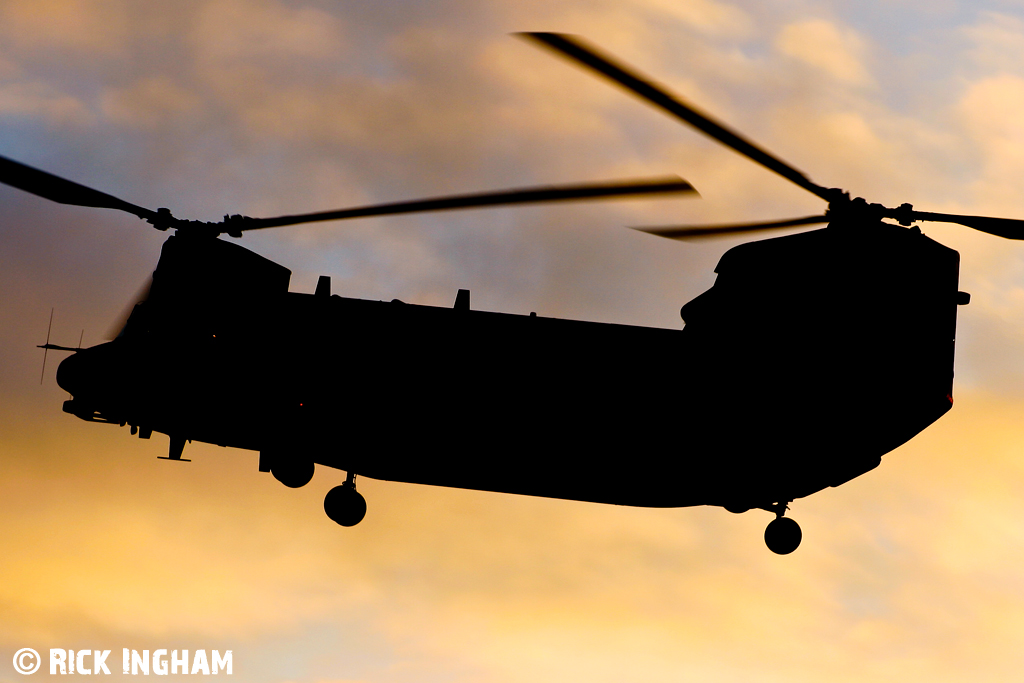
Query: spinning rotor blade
pixel 535 195
pixel 578 51
pixel 63 191
pixel 140 296
pixel 697 231
pixel 575 49
pixel 1010 228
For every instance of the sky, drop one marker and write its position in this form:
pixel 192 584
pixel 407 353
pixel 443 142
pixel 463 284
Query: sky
pixel 911 572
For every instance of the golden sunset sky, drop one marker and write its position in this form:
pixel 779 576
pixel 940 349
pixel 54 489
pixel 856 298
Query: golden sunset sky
pixel 912 572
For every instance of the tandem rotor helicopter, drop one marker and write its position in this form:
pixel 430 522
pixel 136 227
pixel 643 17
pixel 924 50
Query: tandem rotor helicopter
pixel 811 357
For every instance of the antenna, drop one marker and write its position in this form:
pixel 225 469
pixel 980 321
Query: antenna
pixel 46 349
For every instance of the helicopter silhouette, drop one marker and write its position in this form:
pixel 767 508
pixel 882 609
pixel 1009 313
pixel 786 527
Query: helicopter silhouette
pixel 811 357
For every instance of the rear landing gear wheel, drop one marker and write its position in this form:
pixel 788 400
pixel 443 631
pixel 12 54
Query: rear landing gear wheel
pixel 344 504
pixel 782 536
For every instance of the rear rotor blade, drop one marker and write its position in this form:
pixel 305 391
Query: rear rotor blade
pixel 536 195
pixel 1010 228
pixel 575 49
pixel 698 231
pixel 58 189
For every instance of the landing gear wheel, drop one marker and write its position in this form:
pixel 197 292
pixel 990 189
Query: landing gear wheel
pixel 782 536
pixel 345 505
pixel 293 473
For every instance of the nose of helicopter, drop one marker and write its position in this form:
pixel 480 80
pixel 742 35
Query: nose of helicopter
pixel 91 377
pixel 71 372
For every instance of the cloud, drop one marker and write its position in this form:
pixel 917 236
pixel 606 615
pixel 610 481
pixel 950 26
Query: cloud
pixel 41 101
pixel 91 566
pixel 908 573
pixel 498 587
pixel 148 103
pixel 98 27
pixel 990 112
pixel 837 52
pixel 237 32
pixel 708 16
pixel 997 42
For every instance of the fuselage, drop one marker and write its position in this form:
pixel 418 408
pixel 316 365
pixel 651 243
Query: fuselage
pixel 811 357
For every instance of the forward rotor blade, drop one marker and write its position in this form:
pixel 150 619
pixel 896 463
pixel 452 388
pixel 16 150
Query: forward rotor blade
pixel 63 191
pixel 536 195
pixel 140 296
pixel 698 231
pixel 1010 228
pixel 575 49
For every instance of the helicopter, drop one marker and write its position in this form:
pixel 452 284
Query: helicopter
pixel 812 356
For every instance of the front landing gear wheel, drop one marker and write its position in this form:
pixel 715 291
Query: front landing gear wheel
pixel 783 536
pixel 345 505
pixel 293 472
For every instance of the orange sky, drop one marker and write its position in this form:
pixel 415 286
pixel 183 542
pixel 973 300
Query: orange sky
pixel 265 107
